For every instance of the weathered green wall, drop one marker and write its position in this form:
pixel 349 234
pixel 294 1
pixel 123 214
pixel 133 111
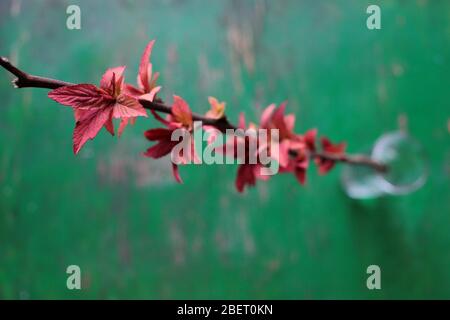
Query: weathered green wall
pixel 136 234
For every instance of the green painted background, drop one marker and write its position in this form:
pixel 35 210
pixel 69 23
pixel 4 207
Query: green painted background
pixel 137 234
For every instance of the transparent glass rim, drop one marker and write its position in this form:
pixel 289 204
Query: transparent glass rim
pixel 384 184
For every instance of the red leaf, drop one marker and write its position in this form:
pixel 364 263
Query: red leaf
pixel 161 149
pixel 88 126
pixel 110 126
pixel 176 173
pixel 266 115
pixel 145 68
pixel 310 139
pixel 86 96
pixel 289 120
pixel 126 106
pixel 153 79
pixel 300 174
pixel 151 95
pixel 278 115
pixel 78 113
pixel 245 175
pixel 158 134
pixel 122 125
pixel 283 123
pixel 131 90
pixel 111 74
pixel 241 124
pixel 181 111
pixel 283 153
pixel 326 165
pixel 332 148
pixel 217 108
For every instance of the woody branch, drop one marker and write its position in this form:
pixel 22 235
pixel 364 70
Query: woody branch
pixel 25 80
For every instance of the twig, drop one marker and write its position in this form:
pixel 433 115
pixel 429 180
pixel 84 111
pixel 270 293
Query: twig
pixel 25 80
pixel 352 159
pixel 222 124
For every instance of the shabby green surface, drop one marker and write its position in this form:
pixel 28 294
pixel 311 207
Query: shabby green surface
pixel 137 234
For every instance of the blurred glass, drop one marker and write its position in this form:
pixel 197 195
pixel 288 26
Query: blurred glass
pixel 407 169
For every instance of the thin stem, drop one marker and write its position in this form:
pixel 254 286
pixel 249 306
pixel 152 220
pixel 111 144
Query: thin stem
pixel 25 80
pixel 352 159
pixel 221 124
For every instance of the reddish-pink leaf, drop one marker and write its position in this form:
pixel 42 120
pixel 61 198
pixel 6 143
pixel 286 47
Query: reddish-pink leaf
pixel 266 115
pixel 326 165
pixel 282 122
pixel 109 126
pixel 217 108
pixel 278 115
pixel 126 106
pixel 300 174
pixel 78 113
pixel 332 148
pixel 145 87
pixel 310 139
pixel 150 96
pixel 131 90
pixel 158 134
pixel 283 153
pixel 257 171
pixel 161 149
pixel 289 120
pixel 137 94
pixel 88 126
pixel 86 96
pixel 111 74
pixel 245 176
pixel 122 125
pixel 241 124
pixel 153 79
pixel 176 173
pixel 181 111
pixel 145 69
